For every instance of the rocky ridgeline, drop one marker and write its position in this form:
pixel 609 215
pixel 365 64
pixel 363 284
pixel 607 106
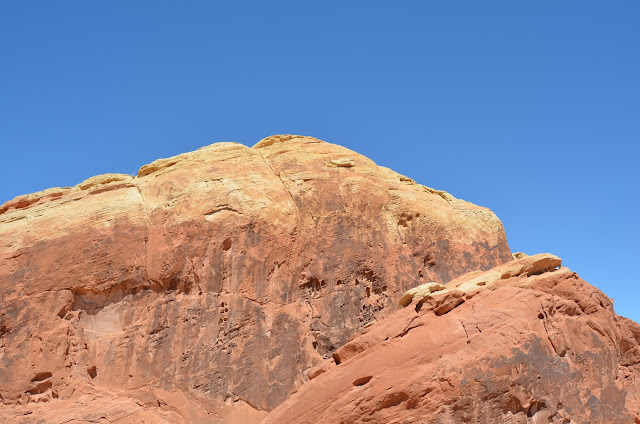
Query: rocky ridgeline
pixel 527 341
pixel 221 284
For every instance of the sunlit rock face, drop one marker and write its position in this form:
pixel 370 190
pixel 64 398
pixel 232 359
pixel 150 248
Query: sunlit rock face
pixel 522 343
pixel 205 288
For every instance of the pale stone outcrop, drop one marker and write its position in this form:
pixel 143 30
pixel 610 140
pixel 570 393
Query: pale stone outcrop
pixel 519 255
pixel 343 162
pixel 419 292
pixel 103 179
pixel 503 274
pixel 491 279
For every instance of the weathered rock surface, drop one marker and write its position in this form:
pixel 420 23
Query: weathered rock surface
pixel 205 288
pixel 521 343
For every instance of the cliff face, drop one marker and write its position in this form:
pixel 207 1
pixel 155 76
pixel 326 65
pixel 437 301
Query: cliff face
pixel 205 288
pixel 522 343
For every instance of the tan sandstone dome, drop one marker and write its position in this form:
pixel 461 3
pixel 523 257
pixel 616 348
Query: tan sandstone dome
pixel 205 289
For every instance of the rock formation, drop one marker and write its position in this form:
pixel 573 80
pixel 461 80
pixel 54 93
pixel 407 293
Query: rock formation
pixel 521 343
pixel 205 288
pixel 293 282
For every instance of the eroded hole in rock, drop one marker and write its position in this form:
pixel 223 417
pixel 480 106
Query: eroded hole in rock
pixel 368 274
pixel 542 271
pixel 429 261
pixel 173 284
pixel 362 380
pixel 63 312
pixel 540 316
pixel 379 289
pixel 412 403
pixel 514 405
pixel 534 407
pixel 226 244
pixel 406 218
pixel 394 399
pixel 312 284
pixel 92 371
pixel 220 211
pixel 93 301
pixel 41 376
pixel 40 388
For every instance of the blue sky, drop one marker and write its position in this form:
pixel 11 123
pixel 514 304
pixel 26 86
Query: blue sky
pixel 529 108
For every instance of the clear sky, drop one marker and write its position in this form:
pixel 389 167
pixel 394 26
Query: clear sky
pixel 529 108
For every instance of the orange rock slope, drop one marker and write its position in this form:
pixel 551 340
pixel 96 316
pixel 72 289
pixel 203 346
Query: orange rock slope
pixel 205 288
pixel 522 343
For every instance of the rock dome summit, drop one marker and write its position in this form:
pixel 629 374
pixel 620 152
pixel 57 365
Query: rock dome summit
pixel 295 281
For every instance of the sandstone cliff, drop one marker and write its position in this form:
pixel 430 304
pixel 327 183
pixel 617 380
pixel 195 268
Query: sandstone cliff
pixel 205 288
pixel 522 343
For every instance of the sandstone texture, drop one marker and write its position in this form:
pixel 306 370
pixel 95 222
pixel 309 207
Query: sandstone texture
pixel 206 288
pixel 525 342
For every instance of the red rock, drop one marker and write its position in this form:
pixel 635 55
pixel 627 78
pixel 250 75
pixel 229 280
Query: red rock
pixel 206 288
pixel 531 344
